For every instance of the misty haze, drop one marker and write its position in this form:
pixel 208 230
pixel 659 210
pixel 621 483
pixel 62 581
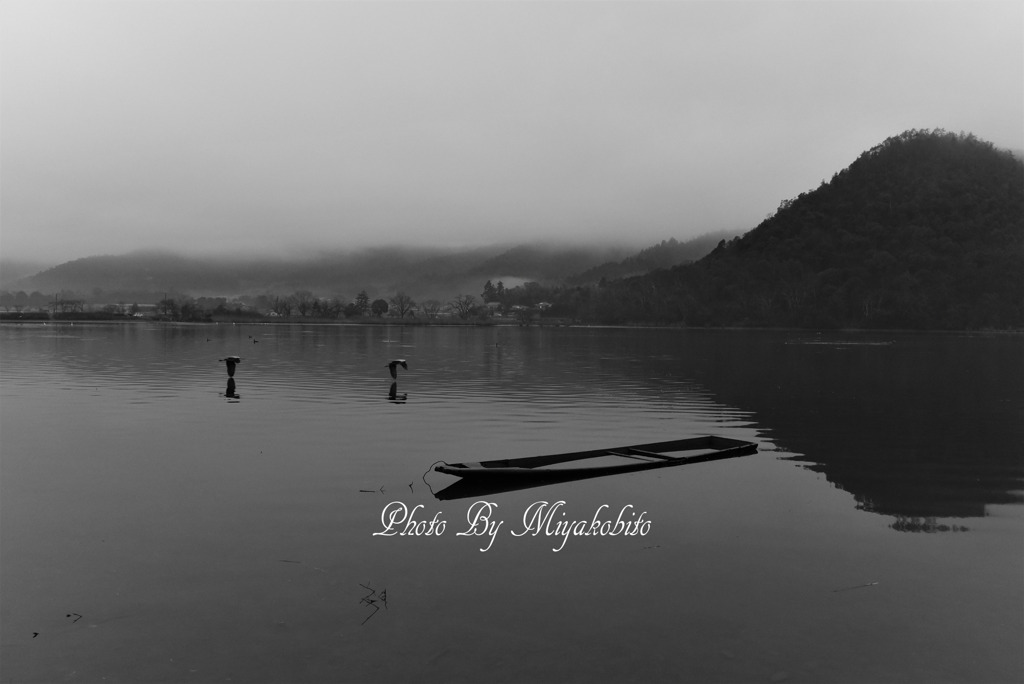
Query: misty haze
pixel 511 342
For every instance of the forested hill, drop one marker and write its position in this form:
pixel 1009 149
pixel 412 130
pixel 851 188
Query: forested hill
pixel 926 230
pixel 664 255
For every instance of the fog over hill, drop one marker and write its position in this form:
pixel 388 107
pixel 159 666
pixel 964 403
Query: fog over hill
pixel 424 273
pixel 13 270
pixel 924 230
pixel 665 255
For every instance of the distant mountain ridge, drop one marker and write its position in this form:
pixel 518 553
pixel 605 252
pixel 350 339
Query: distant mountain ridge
pixel 422 273
pixel 665 255
pixel 13 270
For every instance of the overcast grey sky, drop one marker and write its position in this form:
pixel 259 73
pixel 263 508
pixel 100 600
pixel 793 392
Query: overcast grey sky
pixel 230 125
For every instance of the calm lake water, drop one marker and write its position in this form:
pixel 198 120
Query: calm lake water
pixel 157 529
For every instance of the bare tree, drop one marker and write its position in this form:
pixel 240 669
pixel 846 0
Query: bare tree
pixel 332 307
pixel 165 307
pixel 362 303
pixel 282 307
pixel 402 304
pixel 304 302
pixel 464 305
pixel 431 308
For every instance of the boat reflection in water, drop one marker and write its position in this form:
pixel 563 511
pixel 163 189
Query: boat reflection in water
pixel 504 475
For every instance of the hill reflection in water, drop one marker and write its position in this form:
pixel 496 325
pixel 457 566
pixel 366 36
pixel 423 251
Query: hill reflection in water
pixel 916 426
pixel 923 426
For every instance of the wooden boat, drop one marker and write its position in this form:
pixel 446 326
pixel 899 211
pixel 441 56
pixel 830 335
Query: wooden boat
pixel 595 463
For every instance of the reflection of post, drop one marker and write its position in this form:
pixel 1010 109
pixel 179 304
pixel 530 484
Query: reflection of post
pixel 230 392
pixel 393 394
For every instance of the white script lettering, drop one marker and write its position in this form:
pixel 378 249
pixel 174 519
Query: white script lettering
pixel 398 519
pixel 480 523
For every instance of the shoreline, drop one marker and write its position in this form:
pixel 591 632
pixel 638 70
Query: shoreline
pixel 553 323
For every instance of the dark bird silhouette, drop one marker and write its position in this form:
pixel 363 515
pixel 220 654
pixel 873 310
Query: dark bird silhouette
pixel 393 367
pixel 231 362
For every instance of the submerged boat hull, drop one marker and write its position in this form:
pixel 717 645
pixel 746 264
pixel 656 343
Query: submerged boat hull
pixel 598 462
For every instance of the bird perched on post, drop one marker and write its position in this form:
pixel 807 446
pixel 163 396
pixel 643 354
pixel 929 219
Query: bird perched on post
pixel 231 362
pixel 393 367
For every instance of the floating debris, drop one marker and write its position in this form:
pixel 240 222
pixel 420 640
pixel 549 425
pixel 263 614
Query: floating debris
pixel 372 600
pixel 859 586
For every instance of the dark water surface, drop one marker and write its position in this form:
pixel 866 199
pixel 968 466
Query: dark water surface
pixel 157 529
